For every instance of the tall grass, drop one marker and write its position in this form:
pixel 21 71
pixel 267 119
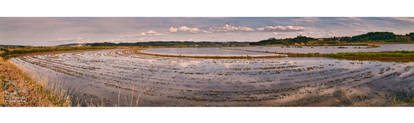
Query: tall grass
pixel 36 93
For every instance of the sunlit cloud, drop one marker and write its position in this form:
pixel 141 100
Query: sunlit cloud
pixel 230 28
pixel 55 31
pixel 281 28
pixel 173 29
pixel 147 33
pixel 185 29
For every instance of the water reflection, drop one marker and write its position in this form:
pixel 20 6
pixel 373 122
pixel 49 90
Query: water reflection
pixel 116 77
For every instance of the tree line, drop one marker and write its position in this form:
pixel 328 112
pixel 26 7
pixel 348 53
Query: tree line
pixel 368 37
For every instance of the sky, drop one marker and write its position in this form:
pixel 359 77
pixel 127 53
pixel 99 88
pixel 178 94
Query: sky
pixel 49 31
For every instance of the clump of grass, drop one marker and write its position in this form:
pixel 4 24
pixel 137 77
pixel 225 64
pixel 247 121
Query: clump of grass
pixel 403 98
pixel 410 100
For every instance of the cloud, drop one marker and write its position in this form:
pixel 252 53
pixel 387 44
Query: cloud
pixel 185 29
pixel 147 33
pixel 306 20
pixel 405 19
pixel 281 28
pixel 356 19
pixel 150 33
pixel 173 29
pixel 230 28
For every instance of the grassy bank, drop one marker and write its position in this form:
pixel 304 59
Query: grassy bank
pixel 17 89
pixel 393 56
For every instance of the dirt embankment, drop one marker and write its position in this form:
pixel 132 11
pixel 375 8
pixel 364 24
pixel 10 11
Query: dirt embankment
pixel 16 89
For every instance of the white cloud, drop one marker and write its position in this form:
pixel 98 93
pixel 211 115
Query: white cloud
pixel 173 29
pixel 147 33
pixel 188 29
pixel 185 29
pixel 281 28
pixel 151 33
pixel 231 28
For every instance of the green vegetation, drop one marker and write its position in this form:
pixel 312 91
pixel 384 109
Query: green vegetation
pixel 4 49
pixel 288 41
pixel 368 39
pixel 371 37
pixel 397 56
pixel 411 100
pixel 404 98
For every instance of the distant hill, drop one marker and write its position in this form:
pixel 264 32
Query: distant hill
pixel 298 40
pixel 368 37
pixel 11 46
pixel 373 37
pixel 165 43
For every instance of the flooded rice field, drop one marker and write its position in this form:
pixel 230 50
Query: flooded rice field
pixel 328 49
pixel 120 77
pixel 203 52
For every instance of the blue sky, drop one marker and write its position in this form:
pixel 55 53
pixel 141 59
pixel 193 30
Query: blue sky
pixel 55 31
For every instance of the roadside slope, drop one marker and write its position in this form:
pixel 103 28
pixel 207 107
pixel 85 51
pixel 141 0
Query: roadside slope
pixel 19 90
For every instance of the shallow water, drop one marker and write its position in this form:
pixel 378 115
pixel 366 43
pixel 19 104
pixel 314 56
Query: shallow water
pixel 329 49
pixel 203 52
pixel 122 78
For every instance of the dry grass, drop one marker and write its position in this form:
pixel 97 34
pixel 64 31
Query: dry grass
pixel 19 90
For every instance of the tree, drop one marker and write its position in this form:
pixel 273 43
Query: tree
pixel 411 35
pixel 374 36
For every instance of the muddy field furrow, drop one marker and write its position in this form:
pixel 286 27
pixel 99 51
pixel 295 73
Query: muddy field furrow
pixel 122 78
